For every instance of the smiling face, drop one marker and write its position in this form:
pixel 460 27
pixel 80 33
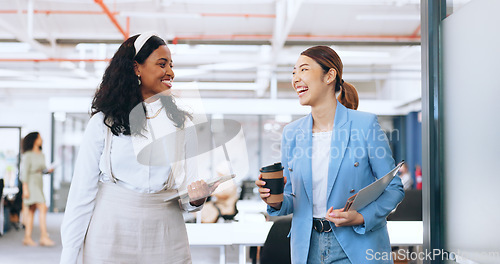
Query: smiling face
pixel 156 73
pixel 311 83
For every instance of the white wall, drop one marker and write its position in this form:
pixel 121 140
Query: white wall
pixel 403 86
pixel 471 94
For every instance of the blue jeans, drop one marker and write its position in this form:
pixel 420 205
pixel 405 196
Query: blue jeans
pixel 325 249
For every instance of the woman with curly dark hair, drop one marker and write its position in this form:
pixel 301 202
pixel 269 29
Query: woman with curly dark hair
pixel 31 174
pixel 135 153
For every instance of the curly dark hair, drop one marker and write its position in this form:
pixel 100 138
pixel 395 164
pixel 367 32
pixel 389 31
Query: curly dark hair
pixel 119 91
pixel 29 141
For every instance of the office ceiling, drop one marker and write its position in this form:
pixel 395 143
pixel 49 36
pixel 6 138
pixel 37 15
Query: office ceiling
pixel 224 48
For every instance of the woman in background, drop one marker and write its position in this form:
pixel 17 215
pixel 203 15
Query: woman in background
pixel 31 175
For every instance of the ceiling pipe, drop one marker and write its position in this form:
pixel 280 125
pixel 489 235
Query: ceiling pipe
pixel 238 15
pixel 388 38
pixel 353 37
pixel 52 60
pixel 176 39
pixel 112 17
pixel 59 12
pixel 84 12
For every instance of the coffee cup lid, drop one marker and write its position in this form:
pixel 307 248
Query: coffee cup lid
pixel 272 168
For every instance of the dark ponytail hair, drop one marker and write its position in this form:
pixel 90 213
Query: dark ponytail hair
pixel 119 91
pixel 29 141
pixel 328 59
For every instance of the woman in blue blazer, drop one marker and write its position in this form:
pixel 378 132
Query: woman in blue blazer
pixel 328 156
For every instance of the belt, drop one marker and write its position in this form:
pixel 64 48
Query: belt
pixel 322 225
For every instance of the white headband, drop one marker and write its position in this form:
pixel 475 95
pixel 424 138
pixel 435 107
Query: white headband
pixel 141 39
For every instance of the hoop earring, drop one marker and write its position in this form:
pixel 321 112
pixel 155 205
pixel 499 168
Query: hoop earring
pixel 139 79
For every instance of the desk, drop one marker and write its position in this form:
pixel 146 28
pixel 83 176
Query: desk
pixel 225 234
pixel 251 206
pixel 406 233
pixel 254 234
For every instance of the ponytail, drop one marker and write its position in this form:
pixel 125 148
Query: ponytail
pixel 348 95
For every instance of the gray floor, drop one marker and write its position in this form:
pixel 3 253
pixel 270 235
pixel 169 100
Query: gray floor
pixel 12 250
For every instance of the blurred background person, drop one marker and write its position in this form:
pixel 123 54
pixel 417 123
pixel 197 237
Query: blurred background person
pixel 222 203
pixel 418 176
pixel 406 178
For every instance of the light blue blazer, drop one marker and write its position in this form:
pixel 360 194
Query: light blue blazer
pixel 359 155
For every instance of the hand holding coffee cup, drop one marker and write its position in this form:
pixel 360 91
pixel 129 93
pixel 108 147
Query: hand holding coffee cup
pixel 271 184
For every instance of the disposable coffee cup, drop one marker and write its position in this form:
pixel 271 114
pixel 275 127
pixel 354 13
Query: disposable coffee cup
pixel 273 176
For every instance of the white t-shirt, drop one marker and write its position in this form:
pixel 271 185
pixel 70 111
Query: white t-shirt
pixel 320 162
pixel 131 171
